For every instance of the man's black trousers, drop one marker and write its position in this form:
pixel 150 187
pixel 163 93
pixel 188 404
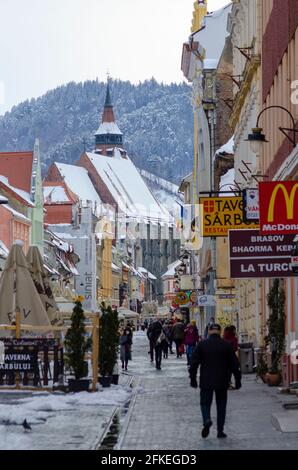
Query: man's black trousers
pixel 158 355
pixel 221 397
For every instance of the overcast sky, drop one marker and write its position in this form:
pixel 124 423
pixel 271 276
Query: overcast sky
pixel 46 43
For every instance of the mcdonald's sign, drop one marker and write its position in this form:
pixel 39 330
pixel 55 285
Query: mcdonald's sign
pixel 278 207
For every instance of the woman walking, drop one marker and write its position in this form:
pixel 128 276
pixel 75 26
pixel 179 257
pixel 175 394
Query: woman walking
pixel 125 348
pixel 191 338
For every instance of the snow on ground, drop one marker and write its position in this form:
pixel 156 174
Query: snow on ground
pixel 38 408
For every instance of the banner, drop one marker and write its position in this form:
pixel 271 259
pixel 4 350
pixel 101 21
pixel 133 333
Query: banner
pixel 279 207
pixel 221 214
pixel 254 256
pixel 206 301
pixel 251 205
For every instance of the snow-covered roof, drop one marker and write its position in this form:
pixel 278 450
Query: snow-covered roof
pixel 171 269
pixel 128 188
pixel 55 194
pixel 17 214
pixel 160 181
pixel 108 128
pixel 227 181
pixel 78 181
pixel 147 273
pixel 116 268
pixel 213 35
pixel 227 148
pixel 23 194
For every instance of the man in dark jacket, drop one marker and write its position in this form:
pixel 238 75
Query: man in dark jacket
pixel 217 362
pixel 154 332
pixel 178 336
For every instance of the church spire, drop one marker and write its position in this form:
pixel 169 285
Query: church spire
pixel 108 135
pixel 108 112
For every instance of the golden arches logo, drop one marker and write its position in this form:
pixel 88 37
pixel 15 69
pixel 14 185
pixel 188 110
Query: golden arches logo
pixel 289 200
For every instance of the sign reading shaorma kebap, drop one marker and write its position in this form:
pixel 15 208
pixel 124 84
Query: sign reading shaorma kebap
pixel 278 207
pixel 254 256
pixel 221 214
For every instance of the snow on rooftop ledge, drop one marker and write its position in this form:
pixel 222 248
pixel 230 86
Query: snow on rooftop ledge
pixel 227 148
pixel 108 128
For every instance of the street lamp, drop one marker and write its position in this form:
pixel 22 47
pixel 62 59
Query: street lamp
pixel 257 138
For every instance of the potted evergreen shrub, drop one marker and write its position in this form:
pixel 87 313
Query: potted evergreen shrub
pixel 276 332
pixel 76 344
pixel 108 345
pixel 262 367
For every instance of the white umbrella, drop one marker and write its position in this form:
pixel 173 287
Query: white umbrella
pixel 42 284
pixel 17 291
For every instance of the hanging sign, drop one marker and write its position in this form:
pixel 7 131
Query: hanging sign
pixel 221 214
pixel 279 207
pixel 187 299
pixel 19 358
pixel 251 205
pixel 254 256
pixel 206 301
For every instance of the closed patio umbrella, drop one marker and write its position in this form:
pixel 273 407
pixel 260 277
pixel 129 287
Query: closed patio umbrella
pixel 42 284
pixel 17 291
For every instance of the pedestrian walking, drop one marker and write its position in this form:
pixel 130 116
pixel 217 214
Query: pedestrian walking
pixel 157 337
pixel 125 347
pixel 191 338
pixel 151 342
pixel 217 362
pixel 231 338
pixel 168 331
pixel 178 336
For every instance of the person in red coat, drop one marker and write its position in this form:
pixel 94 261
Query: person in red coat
pixel 230 337
pixel 191 338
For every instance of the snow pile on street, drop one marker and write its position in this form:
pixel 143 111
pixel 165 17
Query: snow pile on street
pixel 38 408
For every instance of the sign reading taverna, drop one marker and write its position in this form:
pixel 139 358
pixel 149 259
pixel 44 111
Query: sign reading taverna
pixel 221 214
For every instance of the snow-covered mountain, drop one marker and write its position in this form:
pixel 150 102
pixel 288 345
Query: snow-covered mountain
pixel 156 121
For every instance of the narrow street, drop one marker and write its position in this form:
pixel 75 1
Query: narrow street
pixel 165 414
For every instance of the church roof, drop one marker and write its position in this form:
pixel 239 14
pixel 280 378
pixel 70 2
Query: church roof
pixel 128 188
pixel 78 181
pixel 108 128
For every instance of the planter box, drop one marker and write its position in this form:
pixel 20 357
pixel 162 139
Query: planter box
pixel 115 379
pixel 80 385
pixel 105 381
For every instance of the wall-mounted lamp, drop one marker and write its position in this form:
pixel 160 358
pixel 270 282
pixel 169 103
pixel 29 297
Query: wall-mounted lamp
pixel 257 138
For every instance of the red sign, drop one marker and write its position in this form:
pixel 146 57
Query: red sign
pixel 254 256
pixel 278 207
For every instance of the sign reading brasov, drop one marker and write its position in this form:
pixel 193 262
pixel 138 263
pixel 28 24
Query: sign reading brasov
pixel 254 256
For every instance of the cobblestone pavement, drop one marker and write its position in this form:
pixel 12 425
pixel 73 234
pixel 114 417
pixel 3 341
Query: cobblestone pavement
pixel 165 412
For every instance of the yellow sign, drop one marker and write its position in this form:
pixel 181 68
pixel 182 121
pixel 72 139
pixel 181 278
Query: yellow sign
pixel 221 214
